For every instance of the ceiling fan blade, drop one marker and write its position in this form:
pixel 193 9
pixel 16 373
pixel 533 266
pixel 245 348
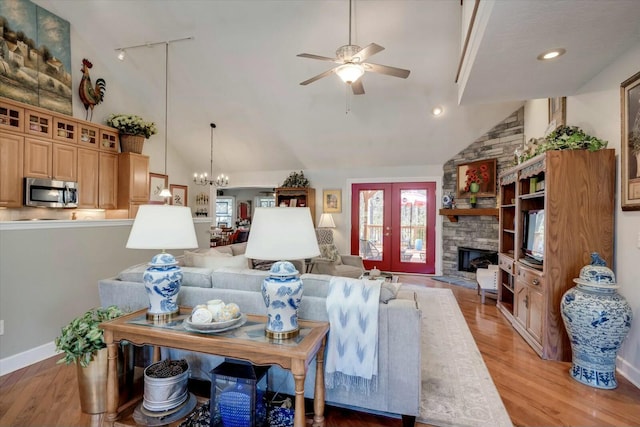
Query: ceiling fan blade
pixel 318 57
pixel 357 87
pixel 318 77
pixel 385 69
pixel 366 52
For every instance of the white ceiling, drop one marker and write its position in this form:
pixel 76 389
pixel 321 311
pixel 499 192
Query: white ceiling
pixel 241 72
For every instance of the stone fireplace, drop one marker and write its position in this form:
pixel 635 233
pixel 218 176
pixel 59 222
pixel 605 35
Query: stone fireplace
pixel 478 233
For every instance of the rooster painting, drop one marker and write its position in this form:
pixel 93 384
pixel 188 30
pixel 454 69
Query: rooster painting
pixel 89 95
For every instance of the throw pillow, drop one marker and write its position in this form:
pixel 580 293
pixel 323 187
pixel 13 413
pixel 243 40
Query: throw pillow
pixel 189 255
pixel 388 291
pixel 330 252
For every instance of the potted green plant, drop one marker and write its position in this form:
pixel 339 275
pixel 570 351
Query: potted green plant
pixel 82 342
pixel 565 138
pixel 133 131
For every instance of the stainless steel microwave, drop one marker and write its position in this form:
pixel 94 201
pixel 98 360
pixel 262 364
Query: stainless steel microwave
pixel 50 193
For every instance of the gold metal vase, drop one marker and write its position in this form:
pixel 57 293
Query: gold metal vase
pixel 92 384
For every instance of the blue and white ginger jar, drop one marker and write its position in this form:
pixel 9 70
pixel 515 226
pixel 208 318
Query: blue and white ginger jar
pixel 282 293
pixel 162 280
pixel 597 320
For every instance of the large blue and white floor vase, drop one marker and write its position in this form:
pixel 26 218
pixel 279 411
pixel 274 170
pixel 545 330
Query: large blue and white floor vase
pixel 282 293
pixel 162 280
pixel 597 319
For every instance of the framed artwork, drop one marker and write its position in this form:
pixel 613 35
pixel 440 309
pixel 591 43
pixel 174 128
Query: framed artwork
pixel 482 173
pixel 557 112
pixel 157 183
pixel 630 145
pixel 43 53
pixel 332 201
pixel 179 195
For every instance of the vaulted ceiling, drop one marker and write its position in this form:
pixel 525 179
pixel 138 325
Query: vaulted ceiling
pixel 241 72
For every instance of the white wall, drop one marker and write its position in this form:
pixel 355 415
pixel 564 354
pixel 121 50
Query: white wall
pixel 596 109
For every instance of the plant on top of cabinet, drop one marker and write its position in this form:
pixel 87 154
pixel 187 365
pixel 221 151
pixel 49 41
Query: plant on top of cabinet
pixel 130 124
pixel 296 180
pixel 563 138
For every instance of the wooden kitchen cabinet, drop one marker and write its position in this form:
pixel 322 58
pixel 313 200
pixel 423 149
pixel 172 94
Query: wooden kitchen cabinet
pixel 88 187
pixel 108 181
pixel 97 179
pixel 133 181
pixel 65 162
pixel 38 123
pixel 43 159
pixel 11 116
pixel 38 158
pixel 11 167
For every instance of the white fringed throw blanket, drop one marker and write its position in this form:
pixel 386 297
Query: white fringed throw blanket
pixel 352 345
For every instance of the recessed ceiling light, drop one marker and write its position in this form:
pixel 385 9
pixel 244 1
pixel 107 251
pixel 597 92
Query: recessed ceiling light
pixel 437 111
pixel 551 54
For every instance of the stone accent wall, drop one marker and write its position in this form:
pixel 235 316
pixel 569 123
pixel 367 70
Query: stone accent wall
pixel 479 232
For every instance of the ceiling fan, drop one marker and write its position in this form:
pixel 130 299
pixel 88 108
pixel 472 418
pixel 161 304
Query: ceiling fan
pixel 351 59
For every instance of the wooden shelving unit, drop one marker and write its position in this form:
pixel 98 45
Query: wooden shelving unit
pixel 453 214
pixel 297 197
pixel 577 198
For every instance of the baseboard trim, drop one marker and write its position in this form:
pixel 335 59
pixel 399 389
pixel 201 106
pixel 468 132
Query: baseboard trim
pixel 628 371
pixel 26 358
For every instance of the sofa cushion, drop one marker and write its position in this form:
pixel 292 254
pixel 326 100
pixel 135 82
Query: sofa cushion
pixel 191 276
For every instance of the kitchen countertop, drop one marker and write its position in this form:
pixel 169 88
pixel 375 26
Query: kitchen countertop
pixel 67 223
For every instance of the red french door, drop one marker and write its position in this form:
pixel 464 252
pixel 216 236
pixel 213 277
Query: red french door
pixel 393 226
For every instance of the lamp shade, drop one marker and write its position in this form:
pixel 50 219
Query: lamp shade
pixel 326 221
pixel 282 234
pixel 163 227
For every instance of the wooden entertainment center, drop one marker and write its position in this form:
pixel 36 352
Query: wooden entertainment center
pixel 575 190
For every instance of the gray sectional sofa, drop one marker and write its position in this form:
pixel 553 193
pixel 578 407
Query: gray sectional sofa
pixel 399 330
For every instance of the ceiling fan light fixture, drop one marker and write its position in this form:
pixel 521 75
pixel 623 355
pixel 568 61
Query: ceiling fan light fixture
pixel 350 73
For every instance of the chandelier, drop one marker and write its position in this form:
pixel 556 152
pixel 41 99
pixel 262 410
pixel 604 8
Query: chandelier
pixel 204 179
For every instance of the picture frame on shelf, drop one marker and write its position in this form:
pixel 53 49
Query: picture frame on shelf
pixel 157 182
pixel 485 170
pixel 630 144
pixel 557 112
pixel 332 201
pixel 179 195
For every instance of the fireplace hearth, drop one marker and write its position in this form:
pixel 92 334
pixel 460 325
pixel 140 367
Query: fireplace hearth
pixel 470 259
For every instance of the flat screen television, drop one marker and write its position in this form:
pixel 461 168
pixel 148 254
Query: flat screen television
pixel 533 236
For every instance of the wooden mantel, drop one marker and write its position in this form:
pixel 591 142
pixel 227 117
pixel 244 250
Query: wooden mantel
pixel 453 214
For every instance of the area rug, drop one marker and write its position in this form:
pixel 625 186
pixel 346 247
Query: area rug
pixel 457 389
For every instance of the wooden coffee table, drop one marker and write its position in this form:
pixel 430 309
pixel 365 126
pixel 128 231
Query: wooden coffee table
pixel 247 342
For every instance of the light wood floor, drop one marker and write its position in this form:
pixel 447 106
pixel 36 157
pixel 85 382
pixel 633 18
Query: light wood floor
pixel 535 392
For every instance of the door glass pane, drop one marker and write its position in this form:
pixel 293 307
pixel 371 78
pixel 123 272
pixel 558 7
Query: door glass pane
pixel 371 218
pixel 413 225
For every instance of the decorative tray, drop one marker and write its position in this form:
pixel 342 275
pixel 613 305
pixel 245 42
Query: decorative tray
pixel 214 327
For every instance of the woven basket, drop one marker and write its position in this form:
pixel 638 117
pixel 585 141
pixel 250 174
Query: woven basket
pixel 131 143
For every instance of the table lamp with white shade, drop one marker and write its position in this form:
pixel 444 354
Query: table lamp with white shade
pixel 162 227
pixel 281 234
pixel 326 221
